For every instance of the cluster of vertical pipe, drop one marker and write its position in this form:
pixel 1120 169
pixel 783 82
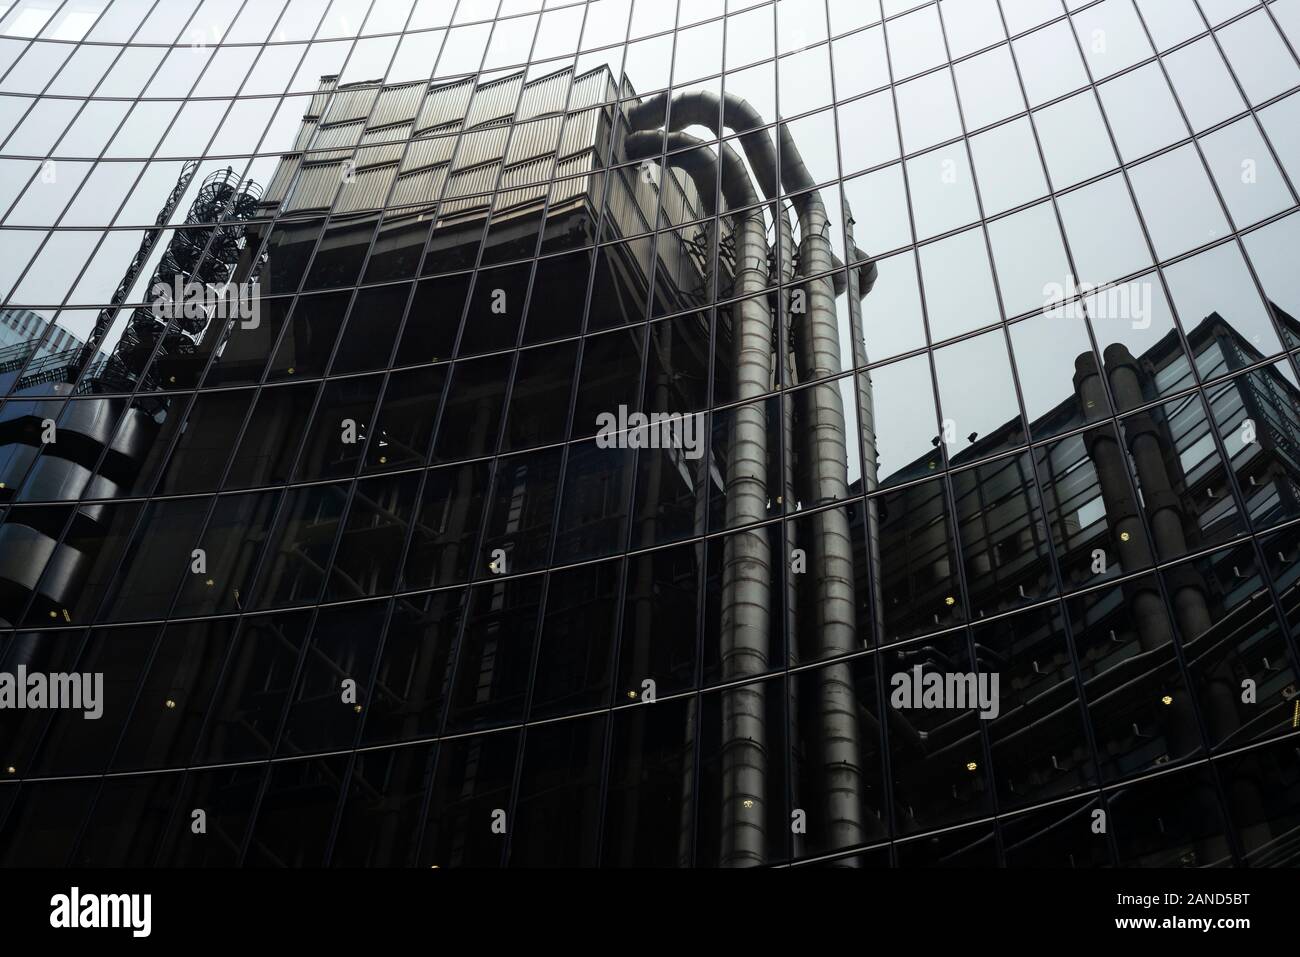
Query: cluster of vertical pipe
pixel 1165 516
pixel 820 450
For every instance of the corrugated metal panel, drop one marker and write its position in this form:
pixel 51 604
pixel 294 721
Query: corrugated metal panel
pixel 494 101
pixel 633 201
pixel 285 171
pixel 445 104
pixel 580 132
pixel 466 208
pixel 646 195
pixel 480 179
pixel 321 98
pixel 537 138
pixel 562 191
pixel 368 189
pixel 422 187
pixel 573 165
pixel 306 133
pixel 315 187
pixel 681 200
pixel 342 136
pixel 522 174
pixel 481 146
pixel 368 156
pixel 350 104
pixel 386 134
pixel 548 94
pixel 430 151
pixel 510 198
pixel 398 104
pixel 592 89
pixel 672 200
pixel 393 140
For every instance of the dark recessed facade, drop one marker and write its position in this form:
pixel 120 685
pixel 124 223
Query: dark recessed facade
pixel 495 432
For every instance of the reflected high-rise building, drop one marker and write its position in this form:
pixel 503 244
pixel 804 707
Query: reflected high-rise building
pixel 371 581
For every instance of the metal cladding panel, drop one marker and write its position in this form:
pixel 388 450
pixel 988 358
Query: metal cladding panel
pixel 321 98
pixel 460 208
pixel 525 196
pixel 525 183
pixel 285 173
pixel 382 149
pixel 494 101
pixel 481 146
pixel 525 174
pixel 586 162
pixel 420 187
pixel 398 104
pixel 549 94
pixel 386 134
pixel 622 208
pixel 350 104
pixel 430 151
pixel 379 155
pixel 445 104
pixel 534 139
pixel 480 179
pixel 315 187
pixel 642 195
pixel 367 189
pixel 580 132
pixel 306 133
pixel 337 136
pixel 680 198
pixel 592 89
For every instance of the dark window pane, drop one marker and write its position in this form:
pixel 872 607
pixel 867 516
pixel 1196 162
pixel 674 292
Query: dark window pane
pixel 649 812
pixel 414 669
pixel 471 793
pixel 496 654
pixel 557 820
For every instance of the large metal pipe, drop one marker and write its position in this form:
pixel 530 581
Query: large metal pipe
pixel 746 610
pixel 1187 590
pixel 824 453
pixel 866 423
pixel 1148 607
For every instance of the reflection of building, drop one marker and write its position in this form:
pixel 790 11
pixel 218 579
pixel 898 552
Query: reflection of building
pixel 24 325
pixel 29 344
pixel 100 445
pixel 457 278
pixel 1116 503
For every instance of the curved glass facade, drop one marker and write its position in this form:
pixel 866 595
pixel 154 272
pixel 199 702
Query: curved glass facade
pixel 612 433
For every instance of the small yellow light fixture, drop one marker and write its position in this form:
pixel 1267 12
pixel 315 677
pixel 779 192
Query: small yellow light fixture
pixel 1123 536
pixel 950 600
pixel 11 770
pixel 209 583
pixel 631 694
pixel 383 460
pixel 357 709
pixel 290 370
pixel 1167 699
pixel 54 614
pixel 971 766
pixel 748 802
pixel 170 704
